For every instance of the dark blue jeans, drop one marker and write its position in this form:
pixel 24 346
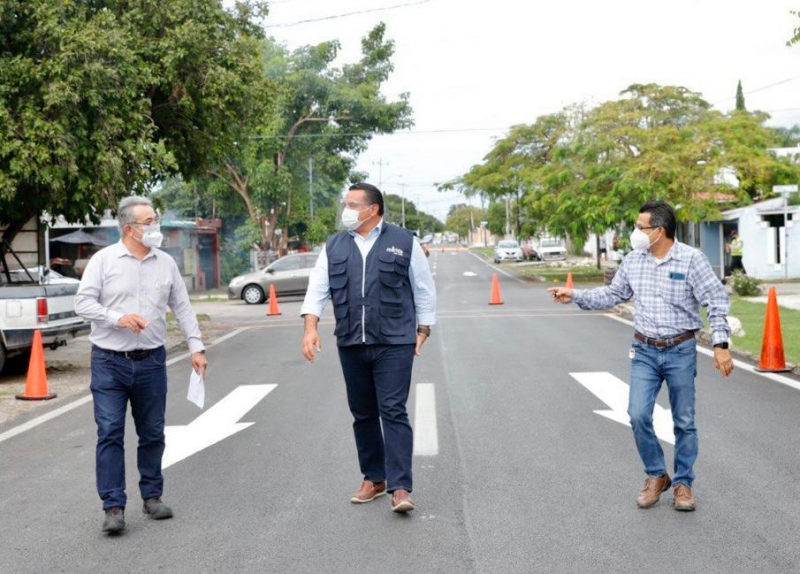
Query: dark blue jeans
pixel 115 381
pixel 378 379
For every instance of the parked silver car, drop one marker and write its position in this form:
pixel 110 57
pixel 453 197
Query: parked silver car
pixel 289 275
pixel 507 251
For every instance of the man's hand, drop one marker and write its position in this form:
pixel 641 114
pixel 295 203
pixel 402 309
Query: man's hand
pixel 310 337
pixel 561 294
pixel 723 361
pixel 199 364
pixel 135 323
pixel 421 338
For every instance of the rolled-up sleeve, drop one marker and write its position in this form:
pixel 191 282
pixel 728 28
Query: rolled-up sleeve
pixel 423 287
pixel 711 294
pixel 318 291
pixel 605 297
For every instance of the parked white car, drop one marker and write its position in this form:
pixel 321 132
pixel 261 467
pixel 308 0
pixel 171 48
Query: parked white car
pixel 507 251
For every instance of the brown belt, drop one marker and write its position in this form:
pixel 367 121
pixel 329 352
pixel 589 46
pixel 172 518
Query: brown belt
pixel 664 343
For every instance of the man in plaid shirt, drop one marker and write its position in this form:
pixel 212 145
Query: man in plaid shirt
pixel 669 281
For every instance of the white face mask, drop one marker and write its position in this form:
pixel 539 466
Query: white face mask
pixel 151 235
pixel 640 241
pixel 350 219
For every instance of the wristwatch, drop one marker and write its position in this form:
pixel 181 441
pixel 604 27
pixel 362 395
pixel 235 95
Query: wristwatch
pixel 721 345
pixel 424 331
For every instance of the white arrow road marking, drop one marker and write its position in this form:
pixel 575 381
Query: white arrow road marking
pixel 614 392
pixel 469 274
pixel 426 434
pixel 217 423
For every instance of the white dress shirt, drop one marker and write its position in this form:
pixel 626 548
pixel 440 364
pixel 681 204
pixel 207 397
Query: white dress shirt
pixel 419 274
pixel 116 283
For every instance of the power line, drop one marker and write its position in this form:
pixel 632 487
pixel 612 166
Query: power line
pixel 362 134
pixel 344 15
pixel 762 88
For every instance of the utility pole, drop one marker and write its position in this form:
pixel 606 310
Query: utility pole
pixel 403 203
pixel 380 163
pixel 311 187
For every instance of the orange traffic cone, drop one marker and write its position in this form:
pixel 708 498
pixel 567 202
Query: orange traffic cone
pixel 36 382
pixel 273 302
pixel 772 357
pixel 495 298
pixel 569 280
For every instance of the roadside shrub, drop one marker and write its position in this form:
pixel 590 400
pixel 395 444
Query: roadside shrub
pixel 745 286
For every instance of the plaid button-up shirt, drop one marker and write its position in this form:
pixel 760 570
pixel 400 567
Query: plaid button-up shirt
pixel 668 293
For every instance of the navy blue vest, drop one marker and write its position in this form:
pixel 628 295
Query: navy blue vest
pixel 383 313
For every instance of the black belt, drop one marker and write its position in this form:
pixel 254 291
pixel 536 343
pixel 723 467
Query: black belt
pixel 664 343
pixel 134 355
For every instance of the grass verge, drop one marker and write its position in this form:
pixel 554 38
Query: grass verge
pixel 752 317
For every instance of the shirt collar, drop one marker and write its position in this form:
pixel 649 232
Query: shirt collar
pixel 123 251
pixel 374 232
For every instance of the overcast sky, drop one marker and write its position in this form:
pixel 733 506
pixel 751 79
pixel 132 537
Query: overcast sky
pixel 475 68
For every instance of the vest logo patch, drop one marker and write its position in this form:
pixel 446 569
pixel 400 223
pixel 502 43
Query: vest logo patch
pixel 395 250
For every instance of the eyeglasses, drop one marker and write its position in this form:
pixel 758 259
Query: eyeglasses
pixel 154 221
pixel 642 228
pixel 353 204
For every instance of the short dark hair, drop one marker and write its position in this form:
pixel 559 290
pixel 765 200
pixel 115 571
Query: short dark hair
pixel 661 215
pixel 372 193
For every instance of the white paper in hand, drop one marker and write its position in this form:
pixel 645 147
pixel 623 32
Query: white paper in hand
pixel 197 390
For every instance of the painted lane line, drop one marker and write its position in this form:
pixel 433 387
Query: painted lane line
pixel 217 423
pixel 614 392
pixel 496 268
pixel 426 434
pixel 33 423
pixel 736 362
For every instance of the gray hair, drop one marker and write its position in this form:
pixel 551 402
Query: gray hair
pixel 125 209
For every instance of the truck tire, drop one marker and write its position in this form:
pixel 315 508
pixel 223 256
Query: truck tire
pixel 2 357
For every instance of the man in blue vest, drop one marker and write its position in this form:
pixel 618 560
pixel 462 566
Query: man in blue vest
pixel 384 302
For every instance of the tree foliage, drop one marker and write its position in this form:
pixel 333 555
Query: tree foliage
pixel 584 171
pixel 321 112
pixel 102 98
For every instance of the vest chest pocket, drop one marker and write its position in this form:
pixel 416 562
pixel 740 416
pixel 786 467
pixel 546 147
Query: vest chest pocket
pixel 337 280
pixel 393 271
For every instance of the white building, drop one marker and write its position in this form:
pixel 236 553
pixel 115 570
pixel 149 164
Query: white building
pixel 771 233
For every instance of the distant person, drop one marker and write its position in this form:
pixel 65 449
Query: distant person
pixel 384 301
pixel 603 248
pixel 124 292
pixel 736 248
pixel 669 281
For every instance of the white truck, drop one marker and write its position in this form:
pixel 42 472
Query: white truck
pixel 32 298
pixel 547 248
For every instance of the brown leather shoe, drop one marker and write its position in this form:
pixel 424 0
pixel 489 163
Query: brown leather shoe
pixel 369 491
pixel 401 501
pixel 653 487
pixel 683 498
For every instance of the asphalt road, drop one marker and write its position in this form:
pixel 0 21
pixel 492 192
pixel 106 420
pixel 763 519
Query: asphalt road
pixel 521 475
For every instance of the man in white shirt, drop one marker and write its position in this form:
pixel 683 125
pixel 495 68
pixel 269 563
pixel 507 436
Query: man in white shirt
pixel 124 292
pixel 384 301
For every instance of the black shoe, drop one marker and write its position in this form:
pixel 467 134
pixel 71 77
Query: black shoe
pixel 114 522
pixel 156 509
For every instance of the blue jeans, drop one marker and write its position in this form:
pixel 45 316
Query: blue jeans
pixel 378 379
pixel 677 366
pixel 115 381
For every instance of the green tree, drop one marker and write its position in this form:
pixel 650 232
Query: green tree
pixel 102 98
pixel 463 218
pixel 740 98
pixel 325 113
